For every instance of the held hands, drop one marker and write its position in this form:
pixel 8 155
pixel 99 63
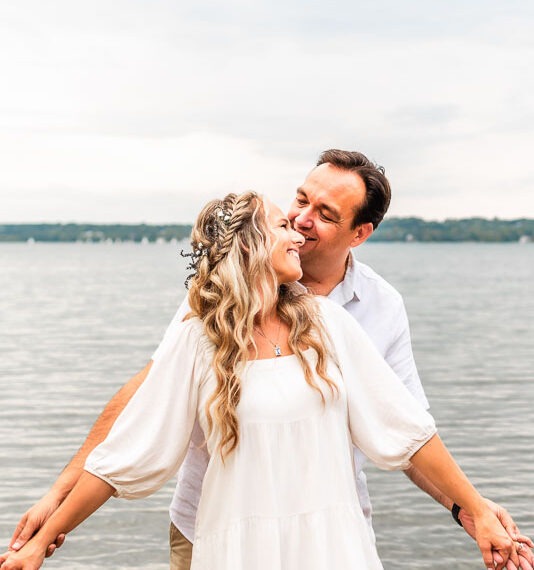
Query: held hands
pixel 32 520
pixel 30 557
pixel 521 544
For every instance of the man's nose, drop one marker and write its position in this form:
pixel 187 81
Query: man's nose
pixel 303 219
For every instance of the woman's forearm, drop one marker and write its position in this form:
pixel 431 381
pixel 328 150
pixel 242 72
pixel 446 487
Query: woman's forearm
pixel 435 462
pixel 86 497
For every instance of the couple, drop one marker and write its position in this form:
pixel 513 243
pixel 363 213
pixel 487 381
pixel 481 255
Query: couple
pixel 277 433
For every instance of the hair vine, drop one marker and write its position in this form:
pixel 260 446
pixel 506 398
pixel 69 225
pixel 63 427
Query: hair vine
pixel 220 220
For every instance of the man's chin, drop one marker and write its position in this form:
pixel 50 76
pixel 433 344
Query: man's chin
pixel 306 254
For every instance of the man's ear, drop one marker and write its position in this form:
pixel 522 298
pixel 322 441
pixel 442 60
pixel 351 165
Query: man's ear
pixel 361 234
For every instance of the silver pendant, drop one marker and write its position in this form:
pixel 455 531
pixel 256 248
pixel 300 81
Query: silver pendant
pixel 277 350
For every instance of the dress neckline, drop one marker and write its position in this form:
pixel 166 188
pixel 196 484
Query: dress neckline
pixel 277 358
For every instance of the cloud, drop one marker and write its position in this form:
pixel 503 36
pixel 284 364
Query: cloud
pixel 112 97
pixel 133 179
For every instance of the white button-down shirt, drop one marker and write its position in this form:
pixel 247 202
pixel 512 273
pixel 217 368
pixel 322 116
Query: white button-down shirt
pixel 379 309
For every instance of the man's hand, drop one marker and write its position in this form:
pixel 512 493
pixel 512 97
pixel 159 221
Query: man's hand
pixel 523 543
pixel 32 520
pixel 524 562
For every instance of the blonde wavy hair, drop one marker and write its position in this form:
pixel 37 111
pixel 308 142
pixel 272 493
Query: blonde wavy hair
pixel 233 288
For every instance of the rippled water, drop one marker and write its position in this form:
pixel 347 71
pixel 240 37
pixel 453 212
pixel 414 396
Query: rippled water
pixel 77 320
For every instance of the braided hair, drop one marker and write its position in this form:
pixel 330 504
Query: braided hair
pixel 233 286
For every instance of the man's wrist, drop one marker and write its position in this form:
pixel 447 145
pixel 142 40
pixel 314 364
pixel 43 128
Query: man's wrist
pixel 64 485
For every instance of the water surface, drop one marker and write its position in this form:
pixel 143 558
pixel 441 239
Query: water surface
pixel 79 319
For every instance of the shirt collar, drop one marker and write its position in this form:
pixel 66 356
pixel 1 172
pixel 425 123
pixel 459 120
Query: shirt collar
pixel 350 288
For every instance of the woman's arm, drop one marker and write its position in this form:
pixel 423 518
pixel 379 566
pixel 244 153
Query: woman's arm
pixel 88 495
pixel 37 515
pixel 435 462
pixel 145 446
pixel 394 431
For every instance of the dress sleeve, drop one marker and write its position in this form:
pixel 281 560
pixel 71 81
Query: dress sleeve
pixel 182 311
pixel 385 421
pixel 150 438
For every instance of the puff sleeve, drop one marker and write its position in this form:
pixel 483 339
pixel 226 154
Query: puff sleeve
pixel 150 438
pixel 385 421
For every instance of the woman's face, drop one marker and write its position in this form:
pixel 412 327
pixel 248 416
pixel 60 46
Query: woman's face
pixel 285 248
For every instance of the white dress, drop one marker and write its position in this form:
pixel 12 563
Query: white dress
pixel 285 499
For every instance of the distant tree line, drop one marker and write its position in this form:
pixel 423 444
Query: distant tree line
pixel 93 232
pixel 391 229
pixel 468 229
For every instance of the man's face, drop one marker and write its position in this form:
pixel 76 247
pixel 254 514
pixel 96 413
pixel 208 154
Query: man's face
pixel 323 211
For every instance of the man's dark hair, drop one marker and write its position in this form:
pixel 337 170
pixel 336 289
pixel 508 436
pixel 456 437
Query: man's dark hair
pixel 377 189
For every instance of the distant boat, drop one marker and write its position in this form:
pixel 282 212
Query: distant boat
pixel 525 239
pixel 144 241
pixel 30 240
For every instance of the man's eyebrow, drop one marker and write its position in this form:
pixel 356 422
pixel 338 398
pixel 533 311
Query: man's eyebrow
pixel 333 213
pixel 322 206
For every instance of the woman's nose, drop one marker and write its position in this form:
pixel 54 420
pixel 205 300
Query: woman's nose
pixel 299 239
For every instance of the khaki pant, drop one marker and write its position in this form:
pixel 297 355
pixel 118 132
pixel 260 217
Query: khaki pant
pixel 181 550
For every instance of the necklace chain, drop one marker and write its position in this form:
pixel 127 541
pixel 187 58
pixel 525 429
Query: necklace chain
pixel 275 345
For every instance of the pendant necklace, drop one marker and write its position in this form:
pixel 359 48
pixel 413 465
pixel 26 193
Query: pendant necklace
pixel 275 345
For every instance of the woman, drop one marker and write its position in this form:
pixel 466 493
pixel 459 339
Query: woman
pixel 282 385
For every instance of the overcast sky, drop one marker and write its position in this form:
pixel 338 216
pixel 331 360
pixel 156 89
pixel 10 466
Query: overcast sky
pixel 141 110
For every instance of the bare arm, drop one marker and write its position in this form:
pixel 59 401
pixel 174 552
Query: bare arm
pixel 418 479
pixel 435 463
pixel 430 489
pixel 86 497
pixel 526 554
pixel 400 358
pixel 37 515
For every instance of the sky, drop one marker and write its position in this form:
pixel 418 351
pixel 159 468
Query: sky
pixel 142 110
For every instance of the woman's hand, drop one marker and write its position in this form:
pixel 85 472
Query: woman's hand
pixel 435 462
pixel 89 493
pixel 525 557
pixel 492 539
pixel 523 543
pixel 29 557
pixel 33 519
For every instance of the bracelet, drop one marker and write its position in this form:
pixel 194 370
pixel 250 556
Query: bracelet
pixel 454 512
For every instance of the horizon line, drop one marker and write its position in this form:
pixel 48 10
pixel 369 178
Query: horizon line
pixel 409 217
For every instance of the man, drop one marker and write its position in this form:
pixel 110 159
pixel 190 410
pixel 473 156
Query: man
pixel 337 208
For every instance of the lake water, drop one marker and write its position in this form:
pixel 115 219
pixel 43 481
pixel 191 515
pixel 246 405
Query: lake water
pixel 77 320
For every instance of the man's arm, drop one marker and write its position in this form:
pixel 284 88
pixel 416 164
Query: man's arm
pixel 37 515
